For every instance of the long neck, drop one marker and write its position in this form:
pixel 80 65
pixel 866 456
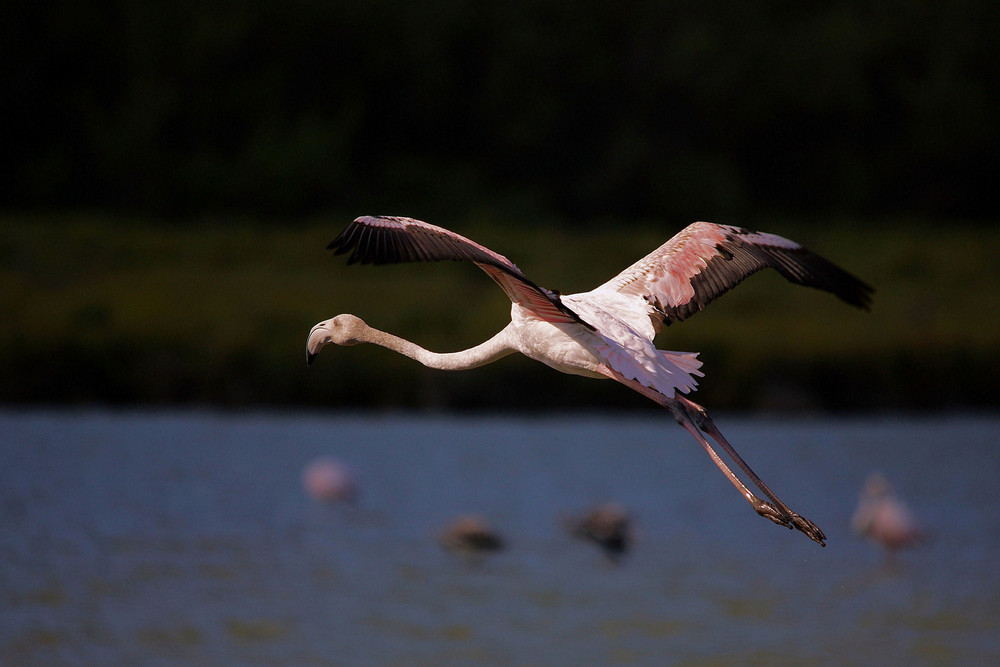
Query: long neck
pixel 486 352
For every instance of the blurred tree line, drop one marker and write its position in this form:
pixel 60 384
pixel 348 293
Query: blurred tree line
pixel 585 109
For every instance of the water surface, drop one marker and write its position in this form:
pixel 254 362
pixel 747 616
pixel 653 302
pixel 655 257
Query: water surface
pixel 186 538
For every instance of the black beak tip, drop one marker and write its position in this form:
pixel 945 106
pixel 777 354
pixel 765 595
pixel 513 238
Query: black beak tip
pixel 309 358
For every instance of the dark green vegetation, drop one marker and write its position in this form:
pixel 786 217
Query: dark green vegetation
pixel 126 310
pixel 448 108
pixel 220 146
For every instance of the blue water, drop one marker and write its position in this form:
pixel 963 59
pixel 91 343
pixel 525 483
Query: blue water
pixel 186 538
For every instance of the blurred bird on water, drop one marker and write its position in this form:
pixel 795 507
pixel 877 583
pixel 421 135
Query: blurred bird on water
pixel 327 480
pixel 470 536
pixel 884 519
pixel 607 525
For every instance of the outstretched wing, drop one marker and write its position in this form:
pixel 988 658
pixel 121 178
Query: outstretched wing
pixel 390 239
pixel 705 260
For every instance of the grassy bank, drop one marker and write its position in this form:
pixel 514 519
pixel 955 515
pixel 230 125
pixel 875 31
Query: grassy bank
pixel 118 310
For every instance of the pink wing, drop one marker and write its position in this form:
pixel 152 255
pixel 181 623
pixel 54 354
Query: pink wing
pixel 705 260
pixel 389 240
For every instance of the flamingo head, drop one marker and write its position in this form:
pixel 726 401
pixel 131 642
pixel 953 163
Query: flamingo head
pixel 342 330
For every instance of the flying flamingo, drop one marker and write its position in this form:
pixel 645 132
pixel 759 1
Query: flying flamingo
pixel 607 332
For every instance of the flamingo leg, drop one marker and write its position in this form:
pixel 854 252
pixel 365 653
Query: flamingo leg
pixel 706 424
pixel 694 418
pixel 764 509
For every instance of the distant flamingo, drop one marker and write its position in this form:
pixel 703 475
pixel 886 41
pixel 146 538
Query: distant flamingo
pixel 884 519
pixel 328 481
pixel 470 535
pixel 608 525
pixel 607 332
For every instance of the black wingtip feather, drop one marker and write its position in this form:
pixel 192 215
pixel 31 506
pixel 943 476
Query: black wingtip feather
pixel 806 268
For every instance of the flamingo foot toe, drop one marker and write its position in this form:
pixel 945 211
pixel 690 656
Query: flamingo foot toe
pixel 771 513
pixel 792 520
pixel 809 528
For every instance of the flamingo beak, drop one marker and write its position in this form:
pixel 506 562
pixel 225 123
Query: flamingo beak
pixel 318 337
